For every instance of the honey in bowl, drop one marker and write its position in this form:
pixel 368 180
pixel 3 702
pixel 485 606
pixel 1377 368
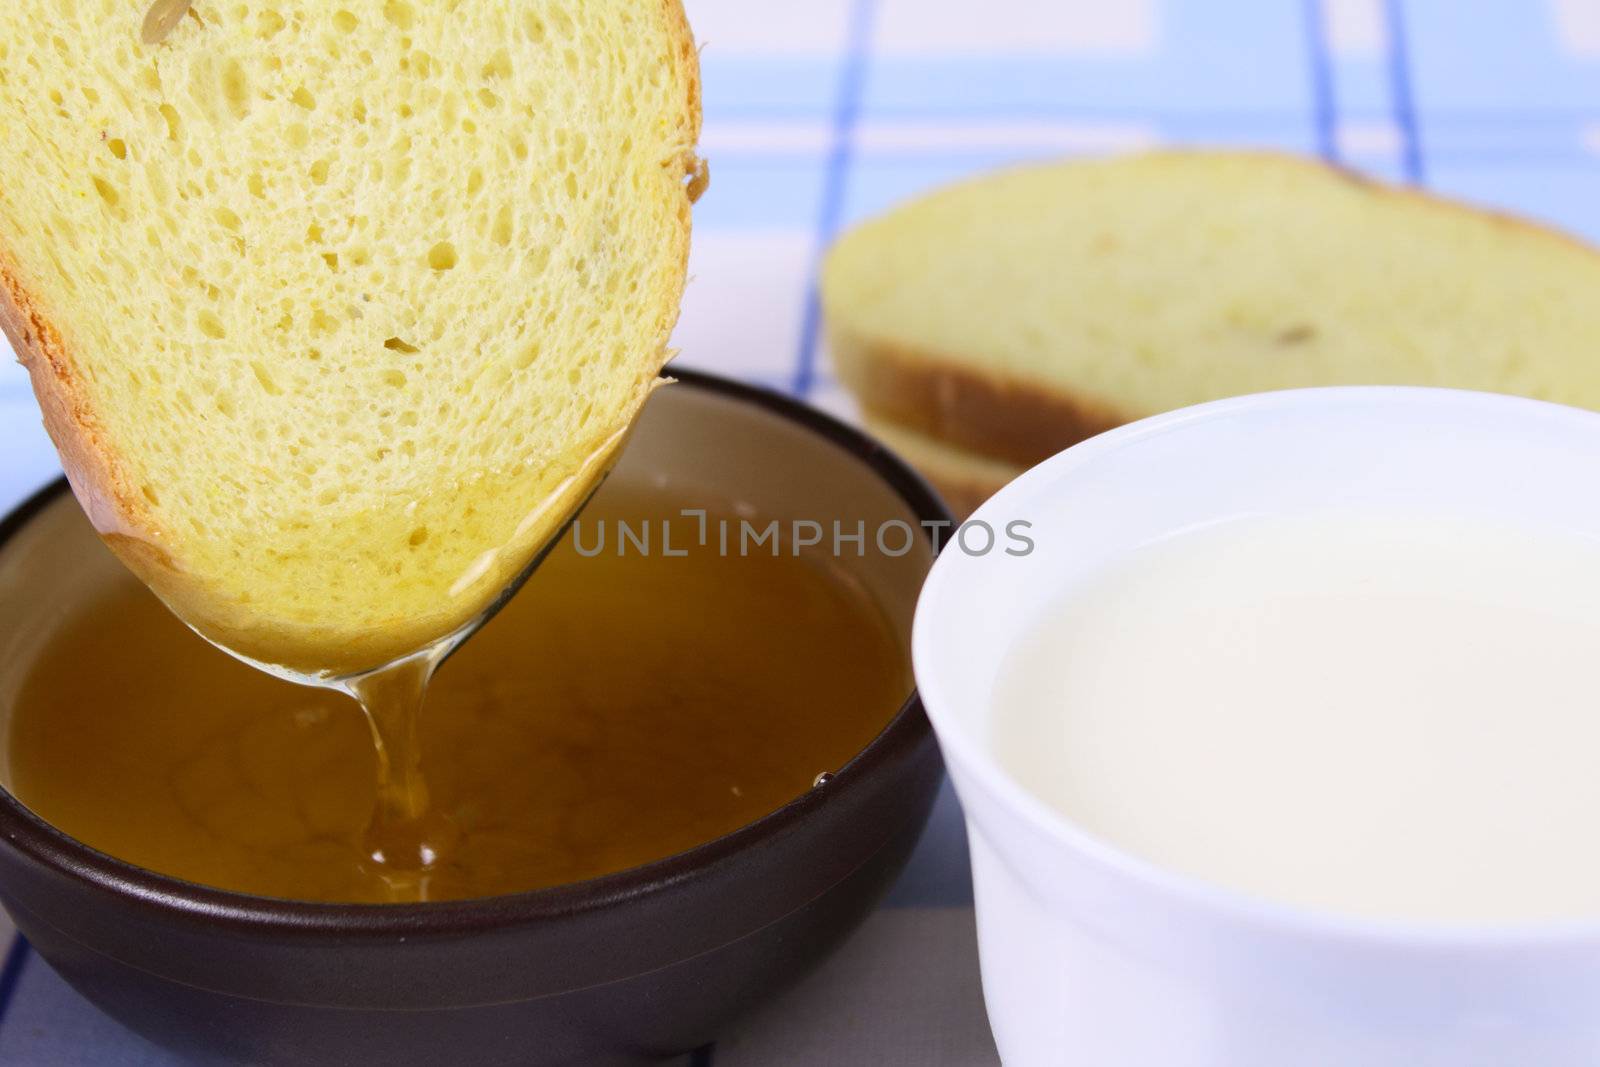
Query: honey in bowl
pixel 625 706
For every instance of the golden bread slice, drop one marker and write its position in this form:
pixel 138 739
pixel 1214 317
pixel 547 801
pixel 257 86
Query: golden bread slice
pixel 1017 313
pixel 336 309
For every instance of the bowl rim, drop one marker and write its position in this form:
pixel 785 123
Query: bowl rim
pixel 39 842
pixel 1187 897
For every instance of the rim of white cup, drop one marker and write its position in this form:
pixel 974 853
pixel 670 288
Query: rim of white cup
pixel 979 763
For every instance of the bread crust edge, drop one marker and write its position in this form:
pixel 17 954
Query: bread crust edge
pixel 686 59
pixel 965 482
pixel 91 467
pixel 994 415
pixel 962 495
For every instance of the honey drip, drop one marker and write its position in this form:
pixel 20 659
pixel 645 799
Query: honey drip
pixel 406 838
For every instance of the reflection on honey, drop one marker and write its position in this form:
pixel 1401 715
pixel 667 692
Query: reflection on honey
pixel 619 710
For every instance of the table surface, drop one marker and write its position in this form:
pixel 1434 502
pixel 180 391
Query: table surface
pixel 823 113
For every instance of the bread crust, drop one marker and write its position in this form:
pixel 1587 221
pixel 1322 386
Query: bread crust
pixel 965 480
pixel 91 466
pixel 994 415
pixel 686 58
pixel 961 495
pixel 952 398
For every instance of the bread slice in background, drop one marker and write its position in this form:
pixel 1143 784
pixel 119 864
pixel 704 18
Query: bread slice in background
pixel 335 309
pixel 1010 316
pixel 963 477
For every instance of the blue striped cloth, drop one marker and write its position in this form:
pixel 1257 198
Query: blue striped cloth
pixel 821 113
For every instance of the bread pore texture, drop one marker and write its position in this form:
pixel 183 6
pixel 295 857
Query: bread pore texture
pixel 337 308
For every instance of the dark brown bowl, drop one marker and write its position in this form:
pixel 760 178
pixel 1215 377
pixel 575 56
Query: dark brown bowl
pixel 626 968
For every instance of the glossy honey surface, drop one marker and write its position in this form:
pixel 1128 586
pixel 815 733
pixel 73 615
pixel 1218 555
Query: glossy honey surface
pixel 623 707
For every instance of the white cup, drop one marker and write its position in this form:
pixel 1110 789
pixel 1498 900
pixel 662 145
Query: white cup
pixel 1093 957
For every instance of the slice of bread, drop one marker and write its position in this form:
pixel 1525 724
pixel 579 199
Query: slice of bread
pixel 964 478
pixel 335 310
pixel 1015 314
